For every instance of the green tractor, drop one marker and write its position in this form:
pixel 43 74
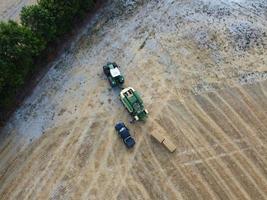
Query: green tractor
pixel 133 103
pixel 111 70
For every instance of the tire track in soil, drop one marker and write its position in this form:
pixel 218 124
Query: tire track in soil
pixel 240 165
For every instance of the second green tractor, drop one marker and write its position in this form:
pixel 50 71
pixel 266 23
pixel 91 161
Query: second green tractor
pixel 133 103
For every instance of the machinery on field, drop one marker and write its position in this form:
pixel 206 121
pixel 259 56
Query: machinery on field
pixel 111 70
pixel 133 103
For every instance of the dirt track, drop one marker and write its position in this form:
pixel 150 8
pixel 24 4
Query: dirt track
pixel 221 154
pixel 61 144
pixel 11 9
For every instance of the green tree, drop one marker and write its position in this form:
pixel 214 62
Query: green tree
pixel 85 6
pixel 66 11
pixel 40 21
pixel 21 44
pixel 18 47
pixel 63 11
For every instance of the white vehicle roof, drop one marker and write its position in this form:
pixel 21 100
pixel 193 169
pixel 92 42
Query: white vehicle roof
pixel 115 72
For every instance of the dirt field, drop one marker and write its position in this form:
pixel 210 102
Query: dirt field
pixel 11 9
pixel 201 68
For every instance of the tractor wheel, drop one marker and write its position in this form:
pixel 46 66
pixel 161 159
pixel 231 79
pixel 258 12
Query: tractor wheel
pixel 111 82
pixel 106 70
pixel 115 65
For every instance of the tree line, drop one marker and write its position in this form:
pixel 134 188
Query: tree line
pixel 21 44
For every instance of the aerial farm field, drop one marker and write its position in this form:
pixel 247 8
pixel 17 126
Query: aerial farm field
pixel 201 69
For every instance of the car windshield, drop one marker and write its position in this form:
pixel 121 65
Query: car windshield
pixel 122 129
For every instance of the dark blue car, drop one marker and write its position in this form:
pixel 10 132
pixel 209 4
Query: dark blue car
pixel 124 133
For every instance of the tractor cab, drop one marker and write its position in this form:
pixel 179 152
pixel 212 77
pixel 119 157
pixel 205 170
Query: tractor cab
pixel 113 74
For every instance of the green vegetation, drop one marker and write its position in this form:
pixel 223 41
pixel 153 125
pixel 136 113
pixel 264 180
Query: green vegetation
pixel 40 21
pixel 21 44
pixel 18 48
pixel 50 19
pixel 64 12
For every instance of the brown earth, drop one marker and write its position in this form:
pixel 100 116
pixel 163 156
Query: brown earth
pixel 200 67
pixel 221 139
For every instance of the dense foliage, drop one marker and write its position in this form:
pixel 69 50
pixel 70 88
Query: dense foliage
pixel 18 48
pixel 21 44
pixel 64 12
pixel 40 21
